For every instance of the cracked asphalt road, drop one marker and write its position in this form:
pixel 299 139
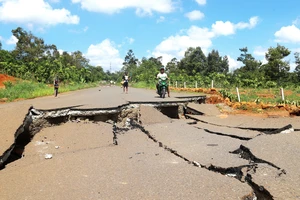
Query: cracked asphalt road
pixel 87 165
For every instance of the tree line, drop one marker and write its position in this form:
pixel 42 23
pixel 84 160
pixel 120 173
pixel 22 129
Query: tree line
pixel 32 59
pixel 195 66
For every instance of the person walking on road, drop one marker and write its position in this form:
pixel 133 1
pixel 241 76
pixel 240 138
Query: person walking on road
pixel 56 86
pixel 125 79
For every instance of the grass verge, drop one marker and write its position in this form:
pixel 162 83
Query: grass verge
pixel 29 90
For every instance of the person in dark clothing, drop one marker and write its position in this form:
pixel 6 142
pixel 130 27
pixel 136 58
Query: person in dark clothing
pixel 125 79
pixel 56 86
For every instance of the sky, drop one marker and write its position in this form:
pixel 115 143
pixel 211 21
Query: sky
pixel 104 30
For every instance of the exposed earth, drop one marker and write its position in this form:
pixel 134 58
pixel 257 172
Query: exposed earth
pixel 102 144
pixel 5 78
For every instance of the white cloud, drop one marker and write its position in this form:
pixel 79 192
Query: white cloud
pixel 1 38
pixel 252 23
pixel 194 15
pixel 260 51
pixel 296 21
pixel 34 12
pixel 292 66
pixel 160 19
pixel 264 61
pixel 130 40
pixel 233 64
pixel 105 54
pixel 114 6
pixel 296 50
pixel 12 40
pixel 60 51
pixel 229 28
pixel 201 2
pixel 176 45
pixel 288 34
pixel 223 28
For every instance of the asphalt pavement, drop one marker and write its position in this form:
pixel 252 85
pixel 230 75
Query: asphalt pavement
pixel 162 158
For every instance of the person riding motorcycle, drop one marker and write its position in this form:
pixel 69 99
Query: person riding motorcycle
pixel 162 76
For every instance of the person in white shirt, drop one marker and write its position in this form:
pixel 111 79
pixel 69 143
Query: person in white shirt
pixel 162 76
pixel 125 79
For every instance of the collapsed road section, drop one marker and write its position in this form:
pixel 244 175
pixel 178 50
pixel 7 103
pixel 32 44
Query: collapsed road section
pixel 36 120
pixel 128 117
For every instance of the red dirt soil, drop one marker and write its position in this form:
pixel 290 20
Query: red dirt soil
pixel 4 78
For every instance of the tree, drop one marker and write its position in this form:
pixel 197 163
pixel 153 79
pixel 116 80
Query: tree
pixel 250 73
pixel 224 65
pixel 130 64
pixel 79 60
pixel 130 58
pixel 172 66
pixel 297 61
pixel 157 61
pixel 28 47
pixel 194 61
pixel 216 63
pixel 213 62
pixel 250 64
pixel 276 68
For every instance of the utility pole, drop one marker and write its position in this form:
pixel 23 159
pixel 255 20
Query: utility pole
pixel 110 67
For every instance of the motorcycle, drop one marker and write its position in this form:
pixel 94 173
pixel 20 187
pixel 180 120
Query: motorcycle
pixel 162 88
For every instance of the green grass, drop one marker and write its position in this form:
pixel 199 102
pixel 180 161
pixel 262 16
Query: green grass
pixel 29 90
pixel 267 95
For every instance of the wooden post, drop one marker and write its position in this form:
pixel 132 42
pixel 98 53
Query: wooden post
pixel 238 94
pixel 212 84
pixel 282 94
pixel 184 84
pixel 196 84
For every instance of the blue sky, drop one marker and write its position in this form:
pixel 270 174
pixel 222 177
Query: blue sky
pixel 104 30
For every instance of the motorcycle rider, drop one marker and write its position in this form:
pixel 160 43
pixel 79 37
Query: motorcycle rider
pixel 160 76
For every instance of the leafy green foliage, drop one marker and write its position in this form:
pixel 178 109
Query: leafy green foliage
pixel 277 69
pixel 227 94
pixel 34 60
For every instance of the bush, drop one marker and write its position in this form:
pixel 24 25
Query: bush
pixel 271 84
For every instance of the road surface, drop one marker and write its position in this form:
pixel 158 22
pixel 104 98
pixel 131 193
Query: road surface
pixel 161 159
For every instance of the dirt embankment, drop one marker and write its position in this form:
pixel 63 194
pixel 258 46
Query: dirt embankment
pixel 246 108
pixel 5 78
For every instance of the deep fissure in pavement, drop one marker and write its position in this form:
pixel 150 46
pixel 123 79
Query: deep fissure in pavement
pixel 225 135
pixel 128 116
pixel 268 131
pixel 260 192
pixel 245 153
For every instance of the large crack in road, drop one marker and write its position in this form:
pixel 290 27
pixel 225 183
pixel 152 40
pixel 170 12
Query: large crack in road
pixel 127 116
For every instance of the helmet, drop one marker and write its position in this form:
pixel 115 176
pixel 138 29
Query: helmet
pixel 162 67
